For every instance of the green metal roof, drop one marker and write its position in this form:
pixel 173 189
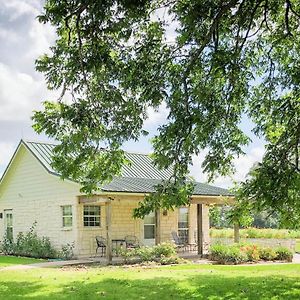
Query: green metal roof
pixel 139 177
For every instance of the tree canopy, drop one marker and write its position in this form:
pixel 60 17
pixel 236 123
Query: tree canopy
pixel 115 59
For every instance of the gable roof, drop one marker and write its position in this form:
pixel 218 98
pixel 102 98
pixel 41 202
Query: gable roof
pixel 140 176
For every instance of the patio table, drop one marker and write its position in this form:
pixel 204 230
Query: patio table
pixel 117 242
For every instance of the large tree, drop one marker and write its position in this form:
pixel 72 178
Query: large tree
pixel 115 59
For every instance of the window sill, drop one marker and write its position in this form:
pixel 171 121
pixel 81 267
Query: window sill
pixel 92 228
pixel 67 228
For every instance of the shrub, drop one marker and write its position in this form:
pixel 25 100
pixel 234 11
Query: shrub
pixel 239 253
pixel 7 246
pixel 30 245
pixel 227 254
pixel 163 249
pixel 126 254
pixel 252 252
pixel 145 254
pixel 172 260
pixel 267 253
pixel 283 253
pixel 163 253
pixel 67 251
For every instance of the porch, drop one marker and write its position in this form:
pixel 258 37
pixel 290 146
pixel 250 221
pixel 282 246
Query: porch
pixel 190 223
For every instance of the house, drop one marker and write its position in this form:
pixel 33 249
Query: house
pixel 31 191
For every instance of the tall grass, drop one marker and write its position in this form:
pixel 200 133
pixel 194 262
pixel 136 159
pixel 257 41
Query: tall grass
pixel 266 233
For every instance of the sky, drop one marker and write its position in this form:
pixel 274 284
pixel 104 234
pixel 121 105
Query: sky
pixel 22 90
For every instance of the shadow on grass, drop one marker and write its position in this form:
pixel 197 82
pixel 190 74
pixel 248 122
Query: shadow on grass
pixel 189 287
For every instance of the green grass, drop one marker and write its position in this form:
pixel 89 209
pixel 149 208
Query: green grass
pixel 267 233
pixel 173 282
pixel 6 261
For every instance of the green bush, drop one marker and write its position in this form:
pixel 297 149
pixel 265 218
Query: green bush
pixel 163 249
pixel 67 251
pixel 283 253
pixel 239 253
pixel 252 252
pixel 145 254
pixel 126 254
pixel 29 245
pixel 267 253
pixel 163 253
pixel 172 260
pixel 227 254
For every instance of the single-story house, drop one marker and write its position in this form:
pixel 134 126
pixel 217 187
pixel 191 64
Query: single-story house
pixel 32 191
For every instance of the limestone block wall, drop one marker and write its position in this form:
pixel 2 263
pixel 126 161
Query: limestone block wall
pixel 122 224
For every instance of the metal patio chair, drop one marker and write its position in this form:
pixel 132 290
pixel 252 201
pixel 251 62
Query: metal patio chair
pixel 131 242
pixel 101 243
pixel 178 243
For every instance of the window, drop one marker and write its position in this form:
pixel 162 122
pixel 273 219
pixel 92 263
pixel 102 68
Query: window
pixel 149 226
pixel 67 215
pixel 91 216
pixel 9 224
pixel 183 224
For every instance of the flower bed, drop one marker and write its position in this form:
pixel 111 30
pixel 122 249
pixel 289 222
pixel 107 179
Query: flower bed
pixel 243 253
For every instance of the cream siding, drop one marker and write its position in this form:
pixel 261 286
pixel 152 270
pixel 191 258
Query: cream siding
pixel 35 195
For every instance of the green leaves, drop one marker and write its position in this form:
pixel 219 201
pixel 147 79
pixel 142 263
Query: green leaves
pixel 115 59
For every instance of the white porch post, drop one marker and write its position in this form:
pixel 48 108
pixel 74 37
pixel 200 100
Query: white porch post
pixel 200 229
pixel 108 231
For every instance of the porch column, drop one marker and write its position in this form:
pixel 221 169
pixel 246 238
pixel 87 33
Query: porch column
pixel 200 229
pixel 108 231
pixel 236 233
pixel 157 227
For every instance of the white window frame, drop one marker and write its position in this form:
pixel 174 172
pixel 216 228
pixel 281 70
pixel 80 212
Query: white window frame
pixel 152 214
pixel 90 220
pixel 66 216
pixel 183 229
pixel 9 212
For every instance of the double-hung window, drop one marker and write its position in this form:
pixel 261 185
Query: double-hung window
pixel 8 224
pixel 67 217
pixel 91 215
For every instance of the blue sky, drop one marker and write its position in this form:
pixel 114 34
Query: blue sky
pixel 22 90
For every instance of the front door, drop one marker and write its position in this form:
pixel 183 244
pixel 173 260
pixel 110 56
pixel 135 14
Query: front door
pixel 8 223
pixel 149 229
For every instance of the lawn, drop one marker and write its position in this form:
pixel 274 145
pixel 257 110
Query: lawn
pixel 172 282
pixel 6 261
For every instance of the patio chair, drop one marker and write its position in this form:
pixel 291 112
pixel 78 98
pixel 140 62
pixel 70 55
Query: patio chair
pixel 178 243
pixel 131 242
pixel 101 243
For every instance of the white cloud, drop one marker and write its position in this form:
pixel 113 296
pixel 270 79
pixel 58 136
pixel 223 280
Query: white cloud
pixel 41 37
pixel 242 165
pixel 18 8
pixel 8 34
pixel 6 152
pixel 156 117
pixel 20 93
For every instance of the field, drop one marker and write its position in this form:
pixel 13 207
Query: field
pixel 267 233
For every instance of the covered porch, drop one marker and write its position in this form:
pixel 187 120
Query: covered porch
pixel 191 223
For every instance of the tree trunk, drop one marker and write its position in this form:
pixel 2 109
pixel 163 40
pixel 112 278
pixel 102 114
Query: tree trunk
pixel 236 233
